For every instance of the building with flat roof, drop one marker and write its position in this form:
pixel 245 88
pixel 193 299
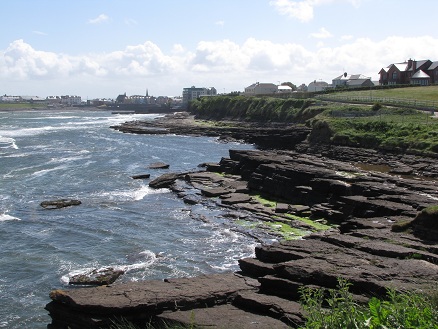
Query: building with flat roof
pixel 193 93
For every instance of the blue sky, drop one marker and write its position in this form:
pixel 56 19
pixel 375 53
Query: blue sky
pixel 101 48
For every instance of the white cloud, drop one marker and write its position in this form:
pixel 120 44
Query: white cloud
pixel 220 23
pixel 321 34
pixel 99 19
pixel 222 64
pixel 346 37
pixel 177 48
pixel 39 33
pixel 131 21
pixel 304 10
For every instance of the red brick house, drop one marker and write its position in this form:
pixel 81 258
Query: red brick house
pixel 424 72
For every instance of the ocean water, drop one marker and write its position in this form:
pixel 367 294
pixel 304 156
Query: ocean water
pixel 121 223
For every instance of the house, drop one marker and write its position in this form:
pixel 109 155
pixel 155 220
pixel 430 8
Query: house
pixel 284 89
pixel 193 93
pixel 261 89
pixel 316 86
pixel 70 100
pixel 352 81
pixel 424 72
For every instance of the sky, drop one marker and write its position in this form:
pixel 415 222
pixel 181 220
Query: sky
pixel 103 48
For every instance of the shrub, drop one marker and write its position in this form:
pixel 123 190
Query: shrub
pixel 339 310
pixel 376 107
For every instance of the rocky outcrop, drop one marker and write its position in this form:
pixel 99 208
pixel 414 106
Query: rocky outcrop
pixel 164 180
pixel 141 176
pixel 425 224
pixel 378 242
pixel 265 136
pixel 97 277
pixel 60 203
pixel 141 301
pixel 159 165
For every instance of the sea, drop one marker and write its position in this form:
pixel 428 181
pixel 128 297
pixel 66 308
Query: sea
pixel 122 223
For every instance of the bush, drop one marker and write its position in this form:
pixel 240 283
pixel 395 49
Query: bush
pixel 339 310
pixel 376 107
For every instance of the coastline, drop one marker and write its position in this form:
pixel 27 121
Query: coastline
pixel 367 246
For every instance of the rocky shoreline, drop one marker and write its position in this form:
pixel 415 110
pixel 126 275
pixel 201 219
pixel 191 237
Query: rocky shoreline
pixel 379 238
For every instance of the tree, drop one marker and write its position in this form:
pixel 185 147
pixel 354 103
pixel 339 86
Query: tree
pixel 290 84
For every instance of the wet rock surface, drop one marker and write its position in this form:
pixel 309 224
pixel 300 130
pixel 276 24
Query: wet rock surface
pixel 97 277
pixel 378 240
pixel 60 203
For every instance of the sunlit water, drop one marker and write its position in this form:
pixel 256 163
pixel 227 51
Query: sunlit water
pixel 121 223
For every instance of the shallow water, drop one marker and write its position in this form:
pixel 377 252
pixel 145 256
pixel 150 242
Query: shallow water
pixel 122 223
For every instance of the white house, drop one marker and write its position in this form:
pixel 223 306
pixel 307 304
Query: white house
pixel 261 89
pixel 352 81
pixel 284 89
pixel 194 92
pixel 316 86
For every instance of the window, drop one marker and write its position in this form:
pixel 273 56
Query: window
pixel 394 75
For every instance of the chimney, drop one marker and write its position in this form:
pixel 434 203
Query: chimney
pixel 414 65
pixel 409 64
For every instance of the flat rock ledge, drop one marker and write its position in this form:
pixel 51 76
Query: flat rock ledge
pixel 379 242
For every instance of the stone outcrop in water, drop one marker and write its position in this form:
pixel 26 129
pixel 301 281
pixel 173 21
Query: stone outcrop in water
pixel 380 242
pixel 61 203
pixel 265 136
pixel 97 277
pixel 159 165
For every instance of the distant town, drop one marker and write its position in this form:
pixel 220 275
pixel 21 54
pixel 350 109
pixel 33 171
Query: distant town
pixel 424 72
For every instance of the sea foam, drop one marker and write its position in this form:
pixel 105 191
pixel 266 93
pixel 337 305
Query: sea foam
pixel 6 217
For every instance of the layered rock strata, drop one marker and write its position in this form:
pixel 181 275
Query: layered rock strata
pixel 364 248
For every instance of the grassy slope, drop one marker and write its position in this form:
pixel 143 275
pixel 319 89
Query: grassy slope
pixel 11 106
pixel 387 129
pixel 429 93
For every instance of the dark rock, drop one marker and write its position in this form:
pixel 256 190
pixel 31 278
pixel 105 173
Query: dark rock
pixel 285 310
pixel 61 203
pixel 214 192
pixel 222 316
pixel 369 253
pixel 255 268
pixel 97 277
pixel 402 170
pixel 159 165
pixel 164 180
pixel 100 306
pixel 425 223
pixel 235 198
pixel 282 208
pixel 191 199
pixel 143 176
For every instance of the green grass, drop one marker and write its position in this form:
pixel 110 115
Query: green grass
pixel 387 129
pixel 336 308
pixel 314 224
pixel 286 231
pixel 429 93
pixel 20 106
pixel 265 202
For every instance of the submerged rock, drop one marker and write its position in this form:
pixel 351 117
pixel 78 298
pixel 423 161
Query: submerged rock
pixel 164 180
pixel 142 176
pixel 159 165
pixel 61 203
pixel 97 277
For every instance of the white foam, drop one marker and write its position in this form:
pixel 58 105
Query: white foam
pixel 130 195
pixel 148 259
pixel 6 217
pixel 8 142
pixel 145 259
pixel 45 171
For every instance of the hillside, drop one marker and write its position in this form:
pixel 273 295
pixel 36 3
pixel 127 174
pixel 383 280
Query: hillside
pixel 388 128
